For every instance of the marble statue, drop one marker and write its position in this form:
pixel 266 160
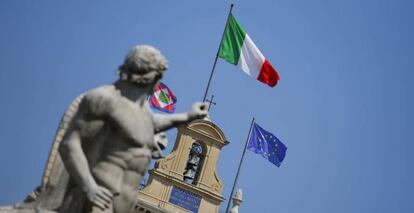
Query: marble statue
pixel 237 200
pixel 105 141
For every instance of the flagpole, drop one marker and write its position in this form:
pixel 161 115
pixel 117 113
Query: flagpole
pixel 238 170
pixel 215 60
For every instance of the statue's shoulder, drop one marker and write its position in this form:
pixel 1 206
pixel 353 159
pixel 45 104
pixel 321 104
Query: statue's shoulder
pixel 102 93
pixel 103 97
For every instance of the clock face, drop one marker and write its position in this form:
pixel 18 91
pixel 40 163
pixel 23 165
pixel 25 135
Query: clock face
pixel 197 149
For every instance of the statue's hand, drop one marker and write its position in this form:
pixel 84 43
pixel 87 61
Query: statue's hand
pixel 198 110
pixel 100 197
pixel 160 143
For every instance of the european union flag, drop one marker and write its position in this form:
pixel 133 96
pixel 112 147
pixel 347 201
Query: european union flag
pixel 266 144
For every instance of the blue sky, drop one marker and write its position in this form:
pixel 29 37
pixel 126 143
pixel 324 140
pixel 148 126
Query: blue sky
pixel 344 104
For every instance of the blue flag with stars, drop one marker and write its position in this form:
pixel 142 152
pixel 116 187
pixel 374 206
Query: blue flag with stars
pixel 266 144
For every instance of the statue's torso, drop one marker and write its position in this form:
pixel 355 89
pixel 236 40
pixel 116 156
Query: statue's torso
pixel 123 143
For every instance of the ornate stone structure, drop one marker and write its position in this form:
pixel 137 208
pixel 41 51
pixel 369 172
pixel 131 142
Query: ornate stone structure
pixel 186 180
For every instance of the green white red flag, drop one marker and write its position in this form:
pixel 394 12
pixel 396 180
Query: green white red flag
pixel 238 48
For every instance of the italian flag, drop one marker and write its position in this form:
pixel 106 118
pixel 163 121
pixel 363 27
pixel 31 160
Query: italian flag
pixel 238 48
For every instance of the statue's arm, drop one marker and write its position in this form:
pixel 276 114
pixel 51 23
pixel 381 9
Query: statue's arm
pixel 75 159
pixel 76 162
pixel 164 122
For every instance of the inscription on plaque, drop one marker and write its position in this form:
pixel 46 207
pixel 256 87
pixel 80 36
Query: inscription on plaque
pixel 185 199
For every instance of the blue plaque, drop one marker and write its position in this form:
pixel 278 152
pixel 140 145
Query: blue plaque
pixel 185 199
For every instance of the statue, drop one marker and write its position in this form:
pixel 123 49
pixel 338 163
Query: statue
pixel 106 140
pixel 237 200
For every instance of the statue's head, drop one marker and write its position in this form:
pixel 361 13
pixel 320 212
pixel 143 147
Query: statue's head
pixel 143 65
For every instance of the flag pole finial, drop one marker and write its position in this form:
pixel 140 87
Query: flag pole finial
pixel 211 102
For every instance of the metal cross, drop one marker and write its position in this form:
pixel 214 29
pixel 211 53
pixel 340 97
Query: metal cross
pixel 210 101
